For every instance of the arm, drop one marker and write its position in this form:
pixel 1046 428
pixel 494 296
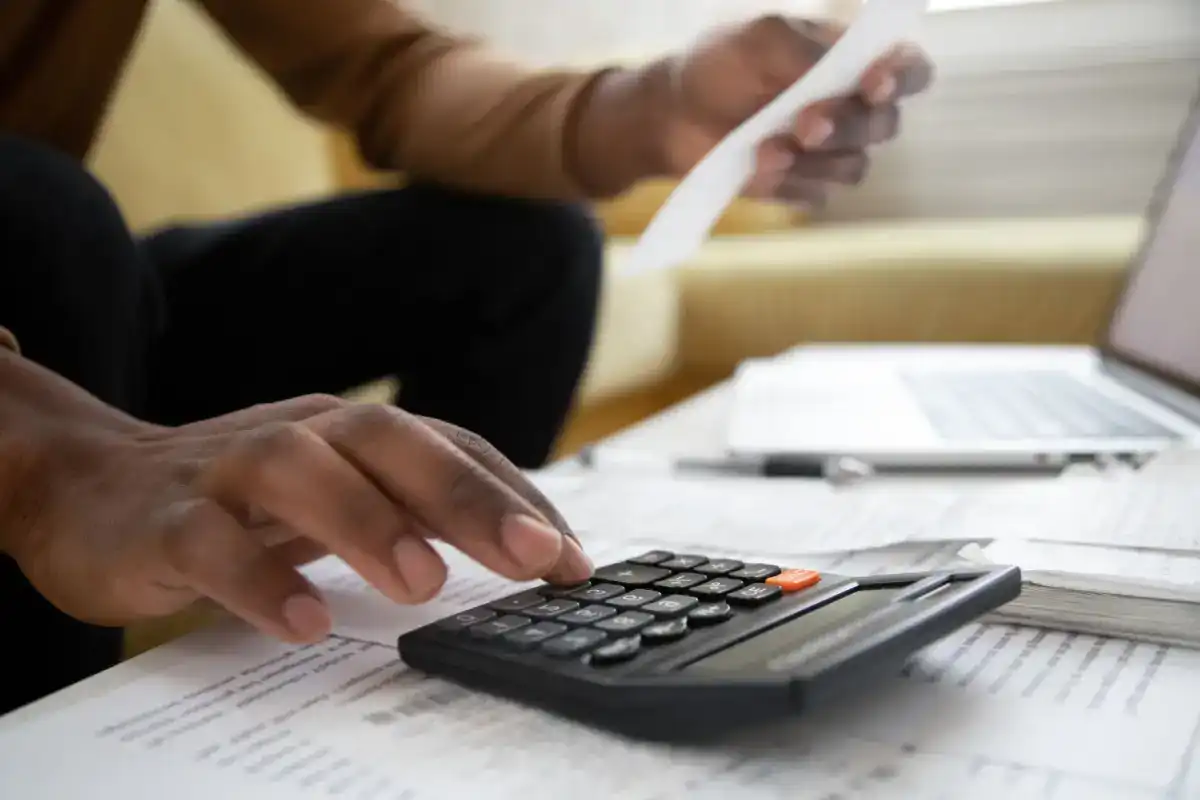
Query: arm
pixel 442 107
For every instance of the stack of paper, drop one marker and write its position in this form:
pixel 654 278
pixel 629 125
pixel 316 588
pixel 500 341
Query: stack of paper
pixel 1146 595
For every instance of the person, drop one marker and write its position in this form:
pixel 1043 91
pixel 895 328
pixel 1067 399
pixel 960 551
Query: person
pixel 170 426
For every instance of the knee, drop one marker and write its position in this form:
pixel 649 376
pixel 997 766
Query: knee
pixel 62 229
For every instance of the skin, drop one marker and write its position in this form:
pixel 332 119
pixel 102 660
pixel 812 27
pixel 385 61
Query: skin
pixel 116 520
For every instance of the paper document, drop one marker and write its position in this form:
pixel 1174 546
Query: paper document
pixel 990 712
pixel 778 515
pixel 684 221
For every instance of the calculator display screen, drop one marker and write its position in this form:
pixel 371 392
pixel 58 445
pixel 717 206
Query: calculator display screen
pixel 757 652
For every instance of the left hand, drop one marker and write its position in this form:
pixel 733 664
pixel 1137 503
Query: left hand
pixel 729 76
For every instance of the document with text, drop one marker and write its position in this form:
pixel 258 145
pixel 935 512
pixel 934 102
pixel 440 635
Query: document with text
pixel 992 711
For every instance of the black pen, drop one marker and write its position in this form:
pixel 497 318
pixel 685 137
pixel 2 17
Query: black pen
pixel 774 466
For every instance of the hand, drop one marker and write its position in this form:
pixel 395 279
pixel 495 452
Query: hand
pixel 117 526
pixel 728 77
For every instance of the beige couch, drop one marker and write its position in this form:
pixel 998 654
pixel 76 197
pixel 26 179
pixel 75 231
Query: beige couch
pixel 196 132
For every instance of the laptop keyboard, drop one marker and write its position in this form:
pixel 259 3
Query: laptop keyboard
pixel 1012 405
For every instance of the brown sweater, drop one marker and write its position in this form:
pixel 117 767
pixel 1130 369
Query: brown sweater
pixel 417 99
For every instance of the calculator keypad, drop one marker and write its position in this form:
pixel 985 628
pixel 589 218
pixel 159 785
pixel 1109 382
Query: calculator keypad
pixel 642 604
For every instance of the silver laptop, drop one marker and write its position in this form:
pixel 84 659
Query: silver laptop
pixel 1001 405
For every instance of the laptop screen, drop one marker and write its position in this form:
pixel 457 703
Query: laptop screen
pixel 1157 321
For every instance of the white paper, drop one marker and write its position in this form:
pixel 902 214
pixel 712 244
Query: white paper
pixel 1166 569
pixel 990 712
pixel 684 221
pixel 777 515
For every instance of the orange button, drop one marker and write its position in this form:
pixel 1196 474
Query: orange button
pixel 793 580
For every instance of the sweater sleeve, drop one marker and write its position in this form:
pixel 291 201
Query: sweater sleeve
pixel 415 98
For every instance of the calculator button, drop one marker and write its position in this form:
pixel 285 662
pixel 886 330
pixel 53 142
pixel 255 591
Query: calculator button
pixel 793 580
pixel 651 558
pixel 517 602
pixel 563 591
pixel 638 597
pixel 498 627
pixel 716 587
pixel 574 643
pixel 756 572
pixel 598 593
pixel 466 619
pixel 586 615
pixel 755 594
pixel 532 635
pixel 631 574
pixel 618 651
pixel 683 562
pixel 674 605
pixel 709 614
pixel 551 608
pixel 667 631
pixel 683 580
pixel 628 622
pixel 718 566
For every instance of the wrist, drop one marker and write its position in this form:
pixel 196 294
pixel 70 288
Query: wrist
pixel 47 425
pixel 619 135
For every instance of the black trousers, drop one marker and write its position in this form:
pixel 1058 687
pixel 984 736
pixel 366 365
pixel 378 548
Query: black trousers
pixel 483 308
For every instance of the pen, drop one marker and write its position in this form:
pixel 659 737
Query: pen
pixel 775 466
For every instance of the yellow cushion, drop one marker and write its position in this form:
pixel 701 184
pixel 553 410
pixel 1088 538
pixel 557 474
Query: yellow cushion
pixel 1015 280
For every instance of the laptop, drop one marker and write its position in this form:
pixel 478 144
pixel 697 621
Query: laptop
pixel 983 405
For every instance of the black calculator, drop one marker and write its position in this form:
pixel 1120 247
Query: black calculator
pixel 674 646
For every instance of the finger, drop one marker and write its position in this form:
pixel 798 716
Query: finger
pixel 903 72
pixel 210 552
pixel 445 490
pixel 848 168
pixel 573 565
pixel 289 474
pixel 293 410
pixel 846 124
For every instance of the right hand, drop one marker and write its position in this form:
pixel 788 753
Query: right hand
pixel 116 523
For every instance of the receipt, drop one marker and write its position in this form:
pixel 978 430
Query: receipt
pixel 685 220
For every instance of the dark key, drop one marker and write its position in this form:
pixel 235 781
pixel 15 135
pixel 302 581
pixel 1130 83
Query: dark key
pixel 683 562
pixel 684 580
pixel 651 558
pixel 616 652
pixel 756 572
pixel 667 631
pixel 563 591
pixel 709 614
pixel 551 608
pixel 466 619
pixel 716 587
pixel 638 597
pixel 498 627
pixel 719 566
pixel 628 622
pixel 598 593
pixel 631 574
pixel 532 635
pixel 517 602
pixel 574 643
pixel 586 615
pixel 755 594
pixel 673 605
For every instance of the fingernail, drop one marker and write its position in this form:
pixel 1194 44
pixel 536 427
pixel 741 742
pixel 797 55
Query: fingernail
pixel 883 90
pixel 819 131
pixel 307 616
pixel 530 542
pixel 421 570
pixel 576 562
